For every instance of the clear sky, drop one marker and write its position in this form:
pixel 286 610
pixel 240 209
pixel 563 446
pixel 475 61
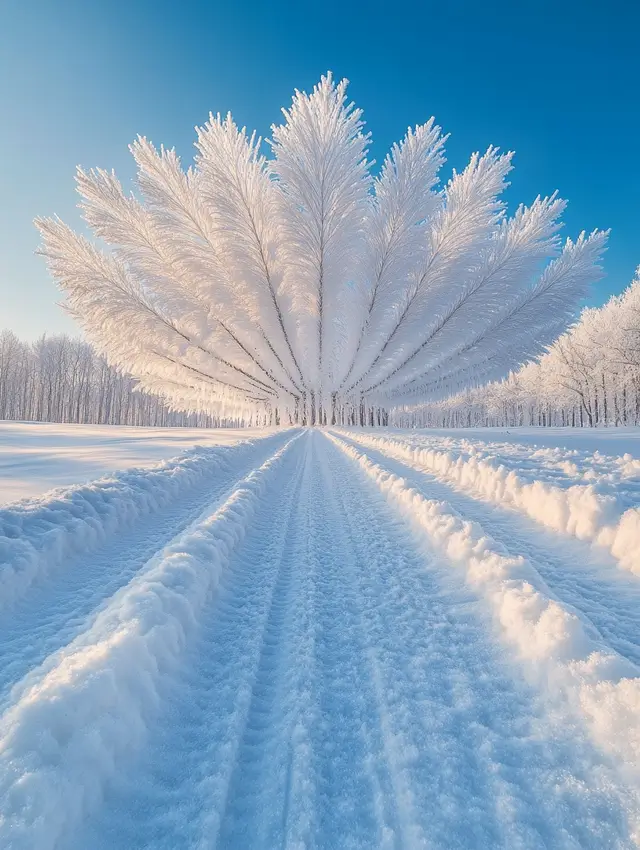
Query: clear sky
pixel 557 82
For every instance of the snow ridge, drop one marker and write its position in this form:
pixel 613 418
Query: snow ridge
pixel 76 719
pixel 577 510
pixel 556 651
pixel 39 534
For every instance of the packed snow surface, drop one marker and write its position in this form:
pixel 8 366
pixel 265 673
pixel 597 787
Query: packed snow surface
pixel 325 639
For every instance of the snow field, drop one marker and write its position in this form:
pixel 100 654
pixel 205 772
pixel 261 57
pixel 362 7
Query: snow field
pixel 610 442
pixel 39 534
pixel 60 604
pixel 77 719
pixel 36 457
pixel 320 646
pixel 577 510
pixel 602 688
pixel 586 578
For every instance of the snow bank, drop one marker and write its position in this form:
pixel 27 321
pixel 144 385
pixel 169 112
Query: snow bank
pixel 555 649
pixel 37 534
pixel 617 475
pixel 75 720
pixel 577 510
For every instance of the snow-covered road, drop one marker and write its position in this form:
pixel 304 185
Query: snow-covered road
pixel 324 640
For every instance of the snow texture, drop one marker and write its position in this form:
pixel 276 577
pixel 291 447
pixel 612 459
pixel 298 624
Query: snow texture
pixel 314 640
pixel 90 703
pixel 577 510
pixel 38 534
pixel 602 688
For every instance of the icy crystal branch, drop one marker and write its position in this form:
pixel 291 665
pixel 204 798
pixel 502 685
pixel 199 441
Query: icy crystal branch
pixel 307 285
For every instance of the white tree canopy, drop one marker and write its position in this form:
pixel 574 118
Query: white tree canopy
pixel 304 282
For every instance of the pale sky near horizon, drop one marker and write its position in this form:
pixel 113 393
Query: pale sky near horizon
pixel 79 79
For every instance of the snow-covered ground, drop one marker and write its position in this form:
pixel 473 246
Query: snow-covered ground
pixel 36 456
pixel 326 639
pixel 609 441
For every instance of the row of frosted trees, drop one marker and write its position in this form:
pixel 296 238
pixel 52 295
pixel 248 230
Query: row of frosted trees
pixel 589 377
pixel 61 379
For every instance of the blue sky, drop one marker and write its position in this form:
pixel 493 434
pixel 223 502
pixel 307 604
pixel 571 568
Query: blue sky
pixel 557 82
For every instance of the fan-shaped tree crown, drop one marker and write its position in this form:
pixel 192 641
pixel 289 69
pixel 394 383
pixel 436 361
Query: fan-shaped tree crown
pixel 305 283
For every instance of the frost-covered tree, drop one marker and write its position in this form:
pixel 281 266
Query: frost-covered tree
pixel 60 379
pixel 305 283
pixel 590 376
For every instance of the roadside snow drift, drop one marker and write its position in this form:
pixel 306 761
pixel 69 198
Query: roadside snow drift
pixel 577 510
pixel 38 534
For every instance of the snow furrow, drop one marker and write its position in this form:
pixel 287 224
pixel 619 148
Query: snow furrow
pixel 269 801
pixel 39 534
pixel 583 577
pixel 358 803
pixel 577 510
pixel 76 720
pixel 601 688
pixel 58 605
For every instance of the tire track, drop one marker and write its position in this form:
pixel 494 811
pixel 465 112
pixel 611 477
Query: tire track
pixel 487 761
pixel 269 801
pixel 345 758
pixel 171 803
pixel 586 580
pixel 61 605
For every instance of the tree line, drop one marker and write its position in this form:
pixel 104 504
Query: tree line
pixel 589 377
pixel 62 379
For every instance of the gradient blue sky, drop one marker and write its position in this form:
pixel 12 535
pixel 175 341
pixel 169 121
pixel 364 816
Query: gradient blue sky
pixel 557 82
